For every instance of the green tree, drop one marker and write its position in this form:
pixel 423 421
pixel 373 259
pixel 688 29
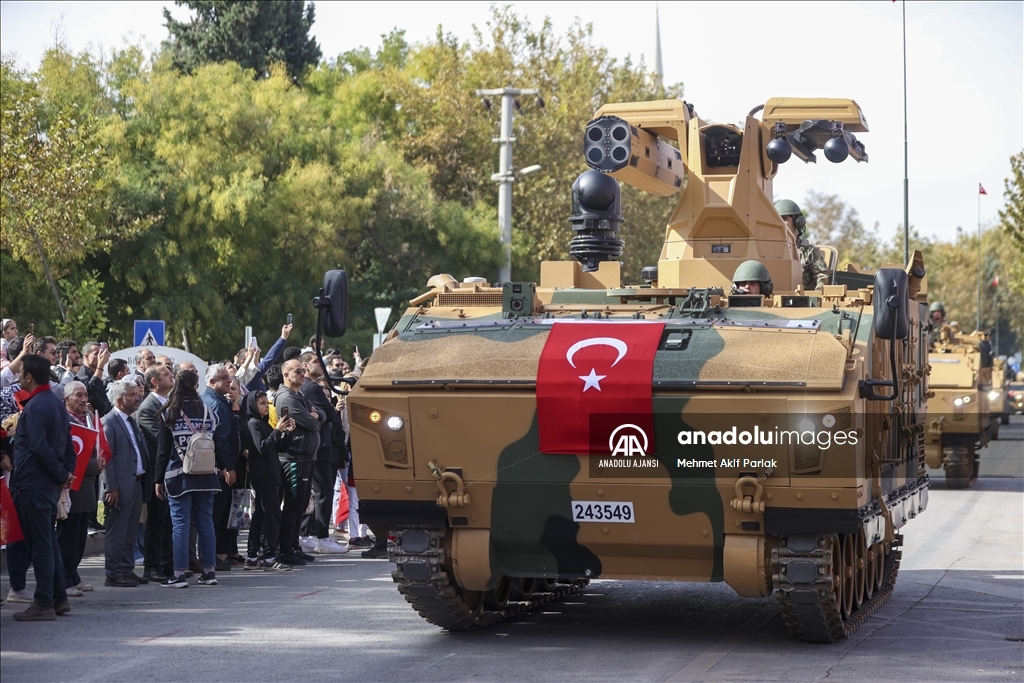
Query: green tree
pixel 253 34
pixel 833 222
pixel 252 192
pixel 87 308
pixel 49 188
pixel 431 112
pixel 1011 220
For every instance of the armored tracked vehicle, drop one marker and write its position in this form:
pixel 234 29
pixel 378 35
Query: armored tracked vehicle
pixel 959 424
pixel 523 438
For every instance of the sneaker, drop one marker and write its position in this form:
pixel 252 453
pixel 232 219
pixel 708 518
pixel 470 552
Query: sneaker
pixel 141 579
pixel 36 612
pixel 307 543
pixel 306 556
pixel 188 574
pixel 328 546
pixel 253 564
pixel 61 608
pixel 278 566
pixel 75 592
pixel 175 582
pixel 375 554
pixel 235 559
pixel 291 561
pixel 84 587
pixel 24 595
pixel 208 579
pixel 222 566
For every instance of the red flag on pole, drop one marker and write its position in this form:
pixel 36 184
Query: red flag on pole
pixel 10 529
pixel 981 189
pixel 599 371
pixel 84 440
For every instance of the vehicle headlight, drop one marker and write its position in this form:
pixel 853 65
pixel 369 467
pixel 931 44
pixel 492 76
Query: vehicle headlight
pixel 967 399
pixel 958 402
pixel 395 423
pixel 993 395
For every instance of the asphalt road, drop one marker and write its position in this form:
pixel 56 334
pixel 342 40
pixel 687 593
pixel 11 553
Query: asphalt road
pixel 957 614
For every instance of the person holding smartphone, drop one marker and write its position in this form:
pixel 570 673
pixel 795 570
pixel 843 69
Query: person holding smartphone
pixel 273 355
pixel 95 356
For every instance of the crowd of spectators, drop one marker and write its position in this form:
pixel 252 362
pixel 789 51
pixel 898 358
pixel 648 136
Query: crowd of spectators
pixel 82 428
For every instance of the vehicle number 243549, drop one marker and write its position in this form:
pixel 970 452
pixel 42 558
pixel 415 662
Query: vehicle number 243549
pixel 602 511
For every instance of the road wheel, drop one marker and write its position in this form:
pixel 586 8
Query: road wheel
pixel 522 588
pixel 879 549
pixel 860 561
pixel 849 584
pixel 497 597
pixel 869 566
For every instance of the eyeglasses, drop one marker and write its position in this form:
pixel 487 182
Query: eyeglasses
pixel 299 371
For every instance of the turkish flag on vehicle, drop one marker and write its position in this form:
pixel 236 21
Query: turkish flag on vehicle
pixel 84 440
pixel 593 378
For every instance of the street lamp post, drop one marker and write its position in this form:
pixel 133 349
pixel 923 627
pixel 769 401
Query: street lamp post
pixel 506 175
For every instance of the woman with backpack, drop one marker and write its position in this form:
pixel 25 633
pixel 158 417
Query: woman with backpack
pixel 263 442
pixel 186 476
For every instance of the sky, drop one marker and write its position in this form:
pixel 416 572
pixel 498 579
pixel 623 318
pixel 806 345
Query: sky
pixel 965 76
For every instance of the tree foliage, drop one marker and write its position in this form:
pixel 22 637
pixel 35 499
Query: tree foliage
pixel 255 35
pixel 1011 220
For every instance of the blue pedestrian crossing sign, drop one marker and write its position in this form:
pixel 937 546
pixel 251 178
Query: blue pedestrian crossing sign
pixel 149 333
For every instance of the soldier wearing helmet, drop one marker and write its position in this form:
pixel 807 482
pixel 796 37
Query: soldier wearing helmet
pixel 751 277
pixel 815 270
pixel 937 314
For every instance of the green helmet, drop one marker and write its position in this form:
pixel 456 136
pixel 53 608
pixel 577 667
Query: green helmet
pixel 787 207
pixel 753 271
pixel 937 306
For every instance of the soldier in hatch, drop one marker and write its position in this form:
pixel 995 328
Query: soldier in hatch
pixel 937 316
pixel 751 277
pixel 815 270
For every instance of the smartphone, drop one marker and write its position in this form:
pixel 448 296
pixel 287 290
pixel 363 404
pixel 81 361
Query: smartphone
pixel 32 329
pixel 103 346
pixel 284 412
pixel 289 318
pixel 252 342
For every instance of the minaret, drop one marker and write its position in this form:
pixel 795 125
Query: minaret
pixel 659 72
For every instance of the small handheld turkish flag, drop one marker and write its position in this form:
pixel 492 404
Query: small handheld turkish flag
pixel 84 441
pixel 10 529
pixel 591 378
pixel 981 189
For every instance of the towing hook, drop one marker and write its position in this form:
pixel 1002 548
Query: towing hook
pixel 744 503
pixel 458 499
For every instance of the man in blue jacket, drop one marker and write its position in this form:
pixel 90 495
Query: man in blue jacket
pixel 228 442
pixel 44 459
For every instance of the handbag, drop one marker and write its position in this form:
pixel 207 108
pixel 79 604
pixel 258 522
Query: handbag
pixel 242 507
pixel 64 505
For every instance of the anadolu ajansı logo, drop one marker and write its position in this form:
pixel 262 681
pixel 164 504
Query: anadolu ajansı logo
pixel 626 441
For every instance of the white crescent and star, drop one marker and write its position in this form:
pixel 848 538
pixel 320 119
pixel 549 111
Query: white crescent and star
pixel 593 380
pixel 79 444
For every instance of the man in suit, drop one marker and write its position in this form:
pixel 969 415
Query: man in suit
pixel 122 483
pixel 159 554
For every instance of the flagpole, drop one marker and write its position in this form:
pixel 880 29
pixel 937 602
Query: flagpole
pixel 906 181
pixel 979 257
